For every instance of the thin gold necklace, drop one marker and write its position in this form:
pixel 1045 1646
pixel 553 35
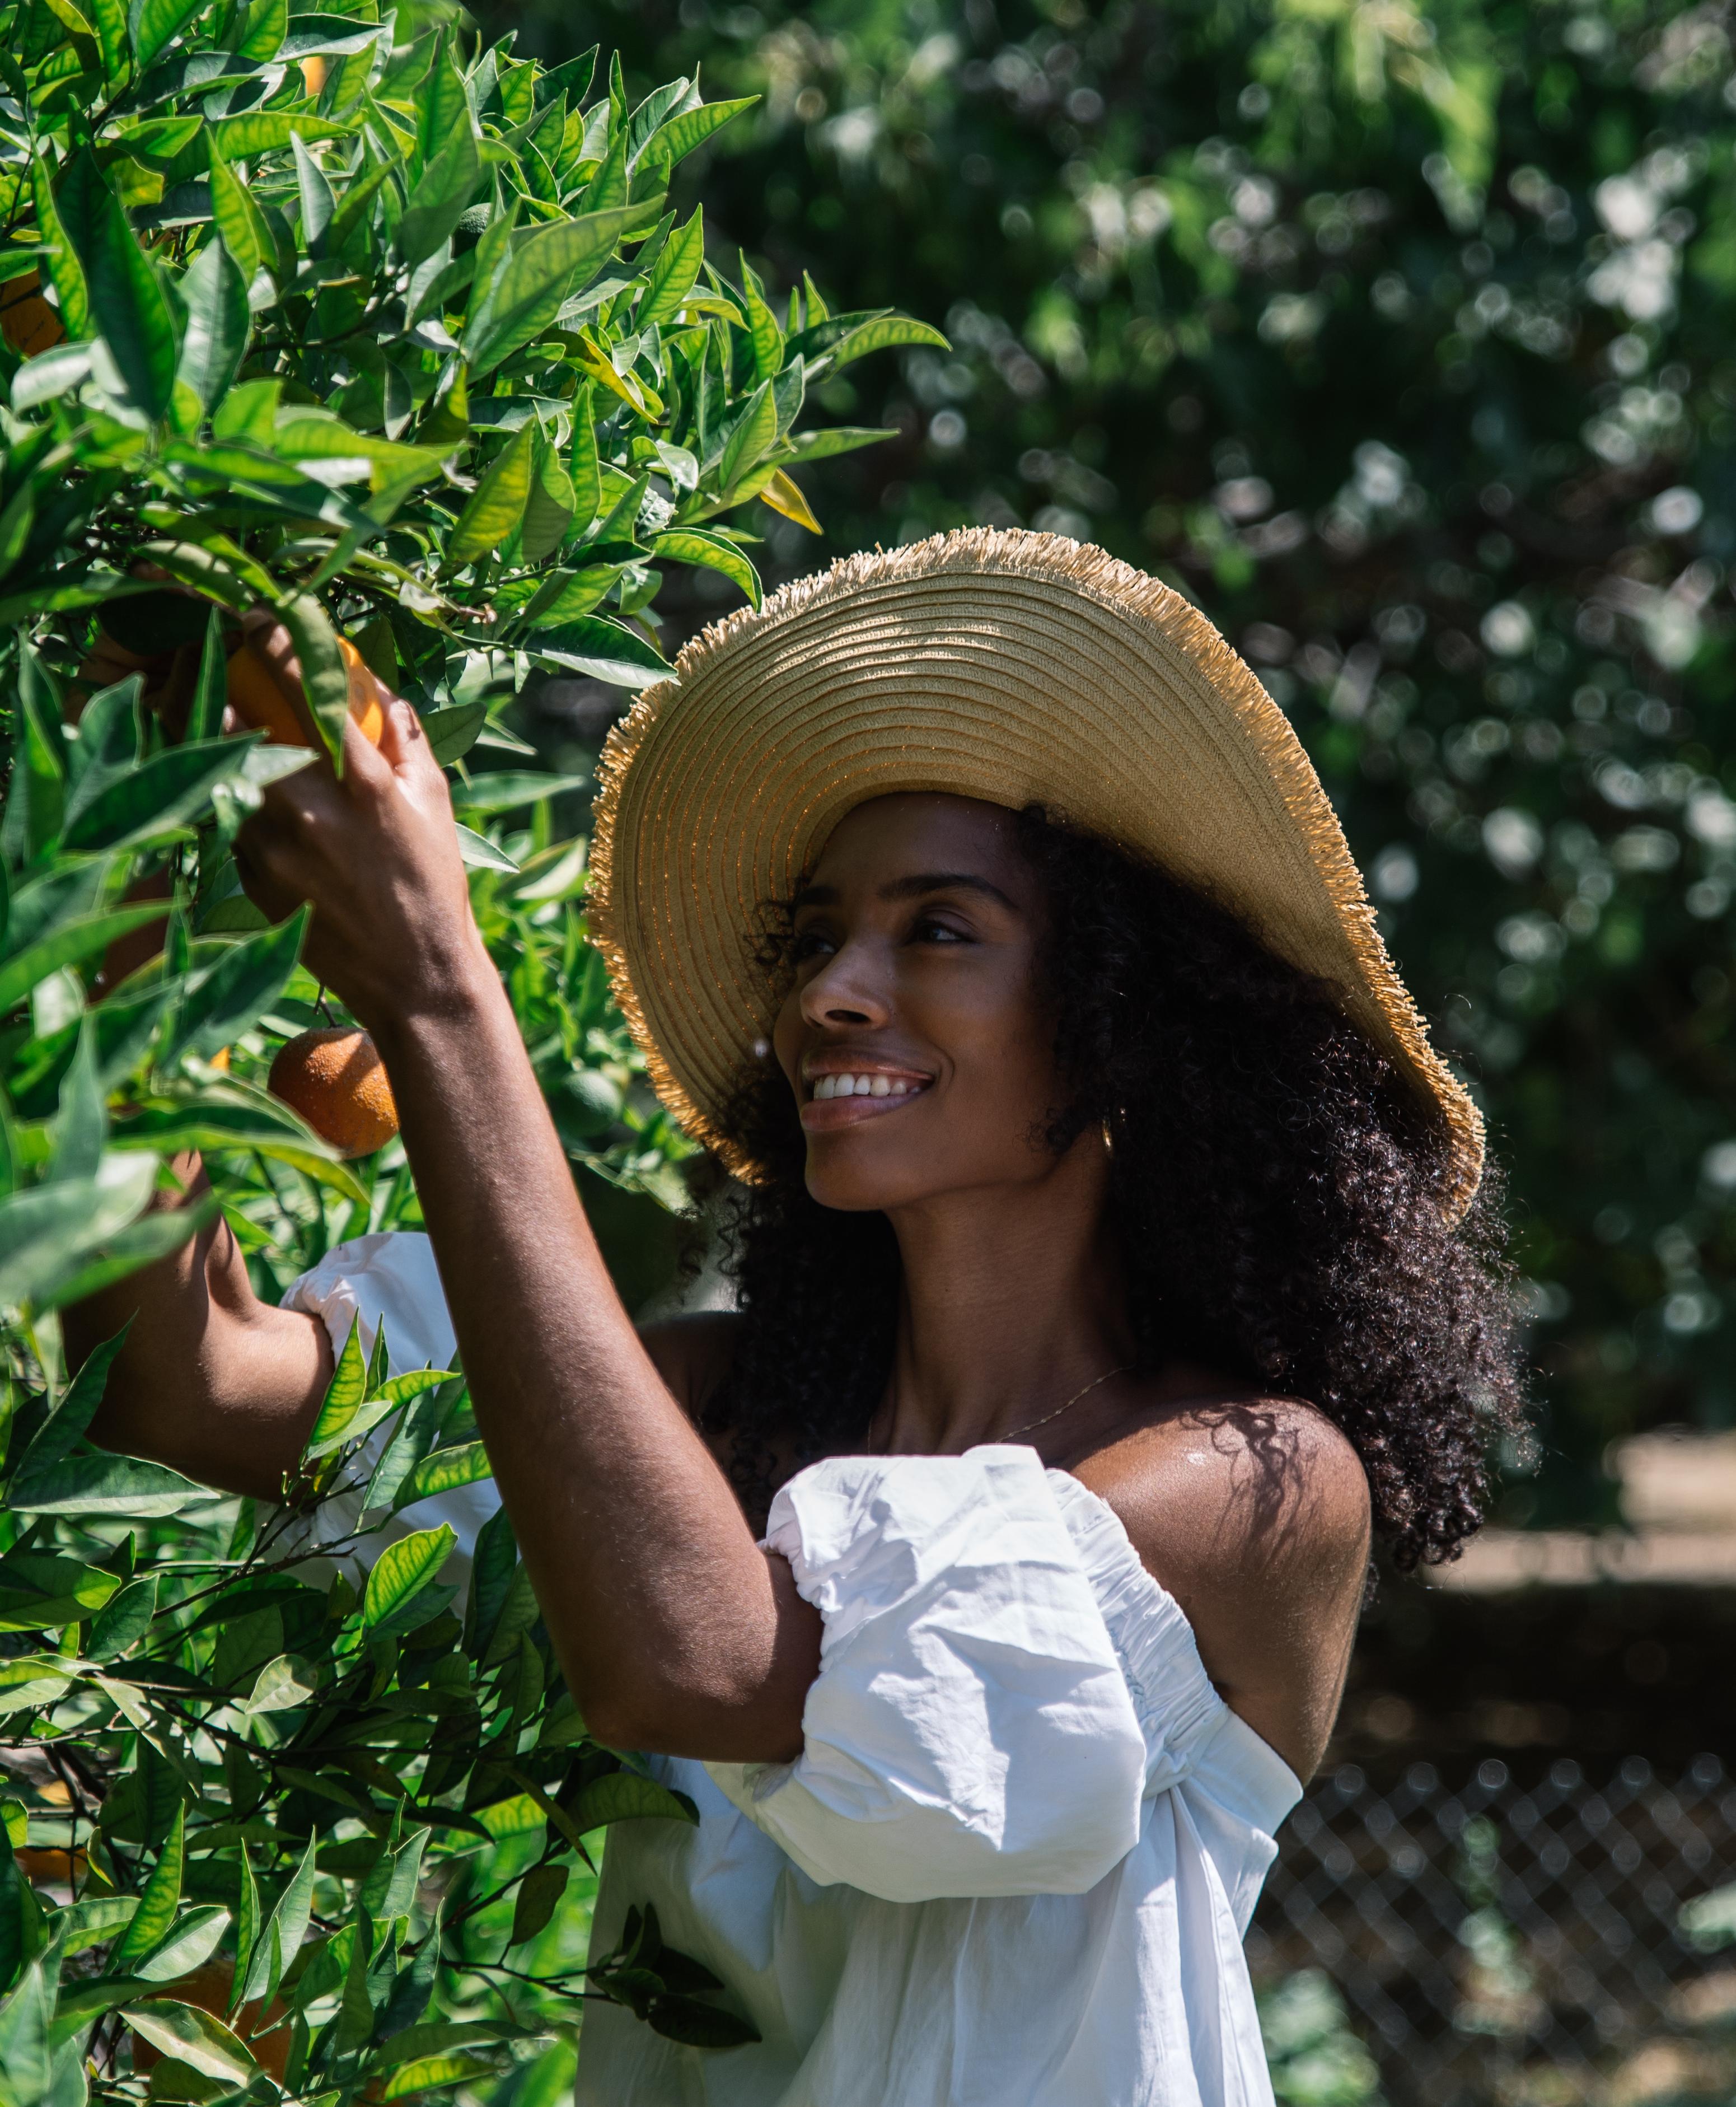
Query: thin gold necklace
pixel 1032 1426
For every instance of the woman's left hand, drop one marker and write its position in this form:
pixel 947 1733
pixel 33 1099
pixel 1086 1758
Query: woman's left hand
pixel 375 853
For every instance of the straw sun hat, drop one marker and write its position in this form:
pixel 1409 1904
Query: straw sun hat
pixel 1013 667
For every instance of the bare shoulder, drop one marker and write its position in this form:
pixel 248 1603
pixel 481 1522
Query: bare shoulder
pixel 1260 1482
pixel 693 1354
pixel 1254 1515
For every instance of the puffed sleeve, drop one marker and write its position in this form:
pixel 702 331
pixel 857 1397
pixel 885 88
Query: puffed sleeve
pixel 970 1731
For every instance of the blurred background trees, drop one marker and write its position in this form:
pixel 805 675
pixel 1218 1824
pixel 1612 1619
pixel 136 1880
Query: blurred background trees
pixel 1400 337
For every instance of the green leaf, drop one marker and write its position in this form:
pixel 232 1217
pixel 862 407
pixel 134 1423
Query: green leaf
pixel 762 327
pixel 282 1685
pixel 240 223
pixel 114 1484
pixel 238 990
pixel 838 439
pixel 606 650
pixel 267 24
pixel 549 507
pixel 67 945
pixel 508 789
pixel 256 132
pixel 446 186
pixel 539 1893
pixel 92 1922
pixel 676 272
pixel 444 1471
pixel 343 1396
pixel 428 2071
pixel 496 506
pixel 29 1684
pixel 127 302
pixel 109 18
pixel 47 1231
pixel 38 1592
pixel 218 324
pixel 155 23
pixel 205 717
pixel 35 795
pixel 64 1428
pixel 81 1125
pixel 883 336
pixel 325 681
pixel 452 732
pixel 157 1902
pixel 170 789
pixel 753 431
pixel 626 1796
pixel 678 138
pixel 528 292
pixel 281 1940
pixel 583 467
pixel 123 1622
pixel 480 854
pixel 690 545
pixel 65 272
pixel 194 2037
pixel 401 1572
pixel 188 1943
pixel 26 2047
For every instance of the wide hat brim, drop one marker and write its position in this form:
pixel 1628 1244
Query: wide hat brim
pixel 1015 667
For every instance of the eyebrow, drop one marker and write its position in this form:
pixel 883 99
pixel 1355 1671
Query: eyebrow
pixel 916 886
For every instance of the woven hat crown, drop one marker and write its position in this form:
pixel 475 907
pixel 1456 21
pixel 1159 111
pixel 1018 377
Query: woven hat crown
pixel 1015 667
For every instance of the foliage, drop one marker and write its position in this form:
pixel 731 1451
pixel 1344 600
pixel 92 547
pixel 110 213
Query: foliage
pixel 400 340
pixel 1315 2058
pixel 1398 335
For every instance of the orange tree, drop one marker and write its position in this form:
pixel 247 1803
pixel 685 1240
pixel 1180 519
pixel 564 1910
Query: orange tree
pixel 402 340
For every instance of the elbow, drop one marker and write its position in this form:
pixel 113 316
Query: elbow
pixel 707 1724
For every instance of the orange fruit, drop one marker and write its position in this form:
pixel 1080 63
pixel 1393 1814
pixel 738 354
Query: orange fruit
pixel 208 1989
pixel 264 704
pixel 27 322
pixel 338 1083
pixel 313 74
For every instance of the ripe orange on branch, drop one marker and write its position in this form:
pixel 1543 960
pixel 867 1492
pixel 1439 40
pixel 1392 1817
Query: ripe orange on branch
pixel 337 1081
pixel 263 701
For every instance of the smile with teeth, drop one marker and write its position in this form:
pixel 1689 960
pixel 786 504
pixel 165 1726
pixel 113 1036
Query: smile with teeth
pixel 863 1086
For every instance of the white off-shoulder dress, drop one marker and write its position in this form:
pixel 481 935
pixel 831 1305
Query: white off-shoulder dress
pixel 1015 1862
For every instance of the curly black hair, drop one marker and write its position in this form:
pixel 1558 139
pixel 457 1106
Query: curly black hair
pixel 1274 1186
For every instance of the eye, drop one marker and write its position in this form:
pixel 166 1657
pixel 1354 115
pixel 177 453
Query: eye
pixel 812 944
pixel 930 929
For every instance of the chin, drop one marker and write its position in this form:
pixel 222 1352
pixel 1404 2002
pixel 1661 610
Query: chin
pixel 856 1179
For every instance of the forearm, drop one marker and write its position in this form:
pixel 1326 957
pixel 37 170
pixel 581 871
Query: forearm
pixel 674 1631
pixel 211 1381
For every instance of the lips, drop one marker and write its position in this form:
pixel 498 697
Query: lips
pixel 845 1097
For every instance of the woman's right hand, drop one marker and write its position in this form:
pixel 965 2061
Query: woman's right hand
pixel 376 853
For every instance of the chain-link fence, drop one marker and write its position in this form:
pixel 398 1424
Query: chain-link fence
pixel 1516 1943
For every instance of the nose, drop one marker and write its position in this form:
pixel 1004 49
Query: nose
pixel 847 990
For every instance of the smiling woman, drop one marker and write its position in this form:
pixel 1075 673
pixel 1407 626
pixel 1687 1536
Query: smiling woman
pixel 1107 1258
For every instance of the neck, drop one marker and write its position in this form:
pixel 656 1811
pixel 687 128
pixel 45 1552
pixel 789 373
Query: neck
pixel 1012 1300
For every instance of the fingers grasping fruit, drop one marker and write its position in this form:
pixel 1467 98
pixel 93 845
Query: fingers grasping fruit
pixel 262 699
pixel 337 1081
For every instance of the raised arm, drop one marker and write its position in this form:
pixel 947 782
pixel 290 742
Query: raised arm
pixel 676 1632
pixel 212 1381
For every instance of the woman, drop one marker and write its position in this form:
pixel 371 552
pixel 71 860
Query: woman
pixel 1105 1270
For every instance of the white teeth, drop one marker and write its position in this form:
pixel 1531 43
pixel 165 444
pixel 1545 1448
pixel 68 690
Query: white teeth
pixel 827 1087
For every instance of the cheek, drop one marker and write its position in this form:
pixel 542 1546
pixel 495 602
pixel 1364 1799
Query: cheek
pixel 787 1036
